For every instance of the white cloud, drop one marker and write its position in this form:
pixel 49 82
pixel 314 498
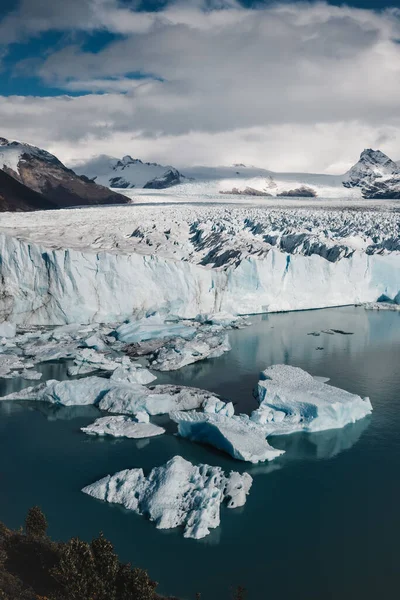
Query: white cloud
pixel 289 86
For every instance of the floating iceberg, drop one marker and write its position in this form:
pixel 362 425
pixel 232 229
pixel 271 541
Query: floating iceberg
pixel 238 436
pixel 156 400
pixel 180 352
pixel 119 426
pixel 114 396
pixel 177 494
pixel 292 400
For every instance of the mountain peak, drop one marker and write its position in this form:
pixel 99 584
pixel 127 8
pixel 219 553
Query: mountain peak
pixel 373 164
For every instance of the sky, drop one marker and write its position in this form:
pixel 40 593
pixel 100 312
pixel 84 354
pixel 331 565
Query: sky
pixel 288 86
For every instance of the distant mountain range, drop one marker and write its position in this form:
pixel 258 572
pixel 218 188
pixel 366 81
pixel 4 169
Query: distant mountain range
pixel 32 179
pixel 55 185
pixel 375 175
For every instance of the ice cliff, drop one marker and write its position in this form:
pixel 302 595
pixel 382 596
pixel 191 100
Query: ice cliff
pixel 105 265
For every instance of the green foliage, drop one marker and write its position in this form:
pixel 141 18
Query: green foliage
pixel 35 523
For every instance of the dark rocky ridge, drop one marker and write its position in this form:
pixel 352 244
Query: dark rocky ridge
pixel 45 174
pixel 15 196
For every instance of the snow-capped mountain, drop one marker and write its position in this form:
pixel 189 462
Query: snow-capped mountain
pixel 375 175
pixel 43 173
pixel 373 164
pixel 129 172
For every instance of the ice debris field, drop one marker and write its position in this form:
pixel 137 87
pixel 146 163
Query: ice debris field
pixel 114 369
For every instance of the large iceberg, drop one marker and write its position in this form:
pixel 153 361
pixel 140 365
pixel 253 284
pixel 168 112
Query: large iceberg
pixel 236 435
pixel 291 400
pixel 177 494
pixel 119 426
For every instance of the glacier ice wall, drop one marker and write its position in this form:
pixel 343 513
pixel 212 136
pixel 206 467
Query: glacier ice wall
pixel 55 286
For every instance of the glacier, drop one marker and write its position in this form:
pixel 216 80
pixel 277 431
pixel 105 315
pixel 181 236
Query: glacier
pixel 177 494
pixel 124 262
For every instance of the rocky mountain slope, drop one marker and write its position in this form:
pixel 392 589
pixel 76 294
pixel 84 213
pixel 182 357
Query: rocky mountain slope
pixel 129 172
pixel 44 173
pixel 14 196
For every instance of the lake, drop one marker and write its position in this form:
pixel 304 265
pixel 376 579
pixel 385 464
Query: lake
pixel 321 522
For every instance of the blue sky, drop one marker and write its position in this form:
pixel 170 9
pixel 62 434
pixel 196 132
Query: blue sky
pixel 285 85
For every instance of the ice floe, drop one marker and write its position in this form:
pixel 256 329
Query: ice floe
pixel 177 494
pixel 236 435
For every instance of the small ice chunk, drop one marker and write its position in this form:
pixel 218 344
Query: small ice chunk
pixel 88 361
pixel 7 330
pixel 94 341
pixel 216 406
pixel 132 374
pixel 177 494
pixel 31 374
pixel 119 426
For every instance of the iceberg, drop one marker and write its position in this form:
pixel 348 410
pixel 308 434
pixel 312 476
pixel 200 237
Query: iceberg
pixel 236 435
pixel 118 426
pixel 177 494
pixel 293 400
pixel 114 396
pixel 156 400
pixel 179 352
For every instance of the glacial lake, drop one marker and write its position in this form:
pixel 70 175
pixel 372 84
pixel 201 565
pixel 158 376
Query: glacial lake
pixel 322 522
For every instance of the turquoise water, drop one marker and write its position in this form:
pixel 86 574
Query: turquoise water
pixel 321 522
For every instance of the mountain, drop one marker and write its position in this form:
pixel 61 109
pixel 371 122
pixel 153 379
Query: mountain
pixel 129 172
pixel 15 196
pixel 44 173
pixel 375 175
pixel 373 164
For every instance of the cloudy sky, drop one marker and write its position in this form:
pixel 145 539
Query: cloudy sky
pixel 299 86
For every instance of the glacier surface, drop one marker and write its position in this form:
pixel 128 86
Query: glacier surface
pixel 125 261
pixel 177 494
